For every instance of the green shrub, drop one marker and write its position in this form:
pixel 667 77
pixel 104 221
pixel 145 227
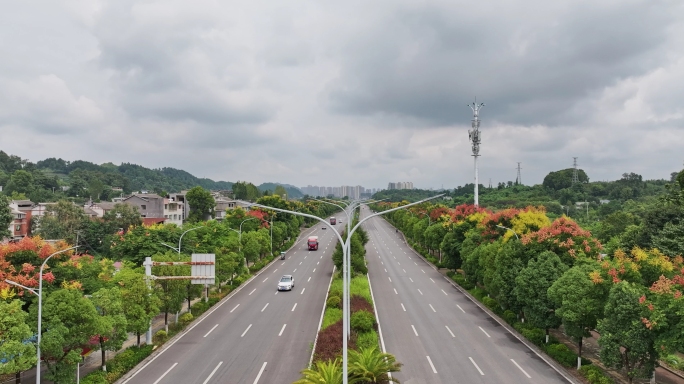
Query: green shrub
pixel 562 354
pixel 491 304
pixel 199 308
pixel 595 375
pixel 510 317
pixel 125 361
pixel 213 300
pixel 96 377
pixel 478 293
pixel 519 326
pixel 367 339
pixel 535 335
pixel 186 318
pixel 333 302
pixel 362 321
pixel 160 337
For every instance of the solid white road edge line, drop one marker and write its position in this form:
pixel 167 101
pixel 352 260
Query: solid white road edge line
pixel 167 371
pixel 519 367
pixel 431 365
pixel 478 368
pixel 212 328
pixel 243 333
pixel 377 318
pixel 260 372
pixel 212 372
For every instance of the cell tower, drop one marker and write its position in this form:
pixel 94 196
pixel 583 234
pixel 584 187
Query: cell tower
pixel 575 179
pixel 490 183
pixel 474 135
pixel 519 178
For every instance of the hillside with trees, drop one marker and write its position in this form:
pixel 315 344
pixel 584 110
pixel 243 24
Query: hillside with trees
pixel 55 179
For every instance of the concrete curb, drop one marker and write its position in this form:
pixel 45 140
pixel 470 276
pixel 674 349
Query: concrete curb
pixel 320 322
pixel 553 364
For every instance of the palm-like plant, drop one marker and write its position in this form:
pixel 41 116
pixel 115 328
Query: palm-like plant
pixel 372 366
pixel 325 372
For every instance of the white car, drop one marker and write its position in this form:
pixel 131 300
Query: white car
pixel 286 283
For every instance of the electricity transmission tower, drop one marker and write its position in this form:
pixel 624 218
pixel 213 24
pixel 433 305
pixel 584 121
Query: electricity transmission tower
pixel 575 179
pixel 474 135
pixel 518 179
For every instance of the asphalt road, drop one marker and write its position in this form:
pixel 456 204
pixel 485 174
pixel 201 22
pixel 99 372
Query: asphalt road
pixel 258 335
pixel 434 330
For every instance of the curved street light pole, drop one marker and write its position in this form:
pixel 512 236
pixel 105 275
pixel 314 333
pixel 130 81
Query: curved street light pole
pixel 516 234
pixel 178 250
pixel 39 293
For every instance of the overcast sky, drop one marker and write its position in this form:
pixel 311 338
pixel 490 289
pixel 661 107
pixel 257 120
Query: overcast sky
pixel 347 92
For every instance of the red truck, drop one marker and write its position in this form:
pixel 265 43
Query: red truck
pixel 333 221
pixel 312 243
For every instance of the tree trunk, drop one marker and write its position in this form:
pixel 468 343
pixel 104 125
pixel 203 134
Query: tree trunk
pixel 17 378
pixel 188 287
pixel 104 359
pixel 138 334
pixel 579 355
pixel 547 335
pixel 166 321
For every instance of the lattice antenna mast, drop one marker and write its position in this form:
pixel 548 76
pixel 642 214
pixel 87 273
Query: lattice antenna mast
pixel 575 179
pixel 474 135
pixel 519 178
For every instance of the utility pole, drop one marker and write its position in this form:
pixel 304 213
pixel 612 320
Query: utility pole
pixel 519 178
pixel 575 179
pixel 474 135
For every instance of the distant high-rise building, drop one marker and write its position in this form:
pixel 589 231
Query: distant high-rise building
pixel 400 185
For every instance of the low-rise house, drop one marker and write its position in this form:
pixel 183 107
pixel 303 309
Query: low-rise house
pixel 20 225
pixel 40 209
pixel 102 207
pixel 222 206
pixel 174 211
pixel 149 204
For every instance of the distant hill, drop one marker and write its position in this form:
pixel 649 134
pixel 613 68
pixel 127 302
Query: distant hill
pixel 292 191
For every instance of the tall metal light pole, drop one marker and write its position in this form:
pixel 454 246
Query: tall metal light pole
pixel 515 233
pixel 39 293
pixel 474 135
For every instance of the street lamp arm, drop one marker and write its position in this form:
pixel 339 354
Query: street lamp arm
pixel 174 248
pixel 22 286
pixel 514 232
pixel 388 211
pixel 181 237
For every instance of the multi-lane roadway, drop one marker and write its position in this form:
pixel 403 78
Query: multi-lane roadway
pixel 257 335
pixel 435 331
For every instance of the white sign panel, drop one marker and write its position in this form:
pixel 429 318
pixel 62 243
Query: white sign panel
pixel 207 270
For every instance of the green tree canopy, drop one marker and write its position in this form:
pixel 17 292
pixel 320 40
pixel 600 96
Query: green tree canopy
pixel 202 204
pixel 531 289
pixel 18 355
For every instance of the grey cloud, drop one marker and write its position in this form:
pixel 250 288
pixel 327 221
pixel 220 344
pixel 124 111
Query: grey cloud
pixel 428 62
